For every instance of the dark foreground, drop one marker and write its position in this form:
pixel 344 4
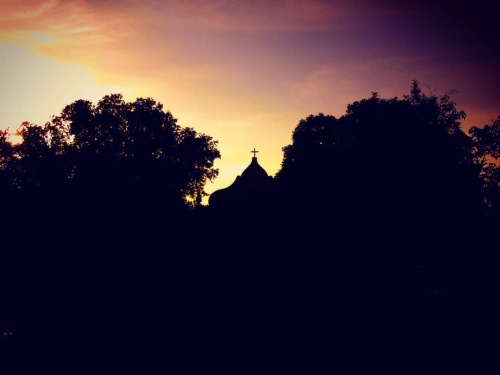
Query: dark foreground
pixel 244 295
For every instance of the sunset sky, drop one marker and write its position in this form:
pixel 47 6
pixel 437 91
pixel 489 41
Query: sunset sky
pixel 244 72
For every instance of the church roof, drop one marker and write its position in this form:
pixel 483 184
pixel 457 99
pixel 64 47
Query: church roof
pixel 254 173
pixel 252 183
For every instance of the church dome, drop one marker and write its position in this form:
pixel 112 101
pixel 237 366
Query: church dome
pixel 253 185
pixel 254 173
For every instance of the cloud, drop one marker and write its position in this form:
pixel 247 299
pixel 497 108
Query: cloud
pixel 256 16
pixel 76 22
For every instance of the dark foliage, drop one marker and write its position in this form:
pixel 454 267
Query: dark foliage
pixel 375 241
pixel 394 202
pixel 397 159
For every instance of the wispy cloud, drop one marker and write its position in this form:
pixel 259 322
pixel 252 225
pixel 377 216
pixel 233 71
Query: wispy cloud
pixel 257 16
pixel 66 23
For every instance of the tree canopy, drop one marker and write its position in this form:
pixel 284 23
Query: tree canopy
pixel 402 158
pixel 113 152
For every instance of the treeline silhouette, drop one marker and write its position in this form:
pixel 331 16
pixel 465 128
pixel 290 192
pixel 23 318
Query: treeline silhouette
pixel 385 217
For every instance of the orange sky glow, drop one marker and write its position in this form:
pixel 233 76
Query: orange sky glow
pixel 244 72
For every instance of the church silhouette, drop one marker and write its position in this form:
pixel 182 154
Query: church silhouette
pixel 252 188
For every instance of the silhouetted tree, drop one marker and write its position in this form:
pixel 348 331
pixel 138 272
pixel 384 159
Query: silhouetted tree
pixel 487 154
pixel 136 150
pixel 401 159
pixel 395 179
pixel 6 154
pixel 99 193
pixel 113 152
pixel 37 165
